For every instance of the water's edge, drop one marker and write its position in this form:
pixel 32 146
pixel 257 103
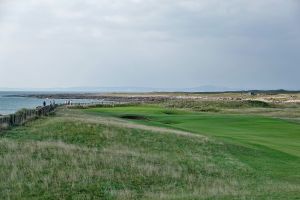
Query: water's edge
pixel 11 102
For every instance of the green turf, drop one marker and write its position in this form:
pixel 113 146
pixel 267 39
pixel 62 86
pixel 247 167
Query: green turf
pixel 273 133
pixel 66 158
pixel 73 156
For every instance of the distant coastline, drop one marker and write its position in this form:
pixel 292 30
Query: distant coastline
pixel 115 95
pixel 156 97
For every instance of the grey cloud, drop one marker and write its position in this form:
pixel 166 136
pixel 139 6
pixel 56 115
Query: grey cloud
pixel 156 43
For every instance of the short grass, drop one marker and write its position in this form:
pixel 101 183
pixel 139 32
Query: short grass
pixel 273 133
pixel 76 155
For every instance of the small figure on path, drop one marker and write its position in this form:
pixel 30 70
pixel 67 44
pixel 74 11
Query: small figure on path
pixel 44 103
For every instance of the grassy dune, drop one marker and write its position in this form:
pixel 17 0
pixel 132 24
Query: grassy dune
pixel 109 153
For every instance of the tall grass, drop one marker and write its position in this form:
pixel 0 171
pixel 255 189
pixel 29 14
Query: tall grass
pixel 67 158
pixel 215 105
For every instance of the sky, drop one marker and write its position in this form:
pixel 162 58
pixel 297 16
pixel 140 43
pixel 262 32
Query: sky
pixel 150 43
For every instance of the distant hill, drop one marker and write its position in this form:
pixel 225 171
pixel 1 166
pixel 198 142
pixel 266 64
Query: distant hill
pixel 200 89
pixel 125 89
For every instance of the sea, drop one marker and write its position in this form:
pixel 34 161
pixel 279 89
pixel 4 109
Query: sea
pixel 10 104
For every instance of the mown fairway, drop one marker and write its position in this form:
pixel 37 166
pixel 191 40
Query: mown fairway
pixel 273 133
pixel 132 153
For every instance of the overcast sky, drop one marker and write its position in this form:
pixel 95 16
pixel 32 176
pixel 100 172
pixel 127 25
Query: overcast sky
pixel 150 43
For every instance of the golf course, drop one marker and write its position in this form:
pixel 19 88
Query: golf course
pixel 150 151
pixel 149 100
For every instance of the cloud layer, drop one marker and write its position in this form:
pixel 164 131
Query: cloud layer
pixel 156 43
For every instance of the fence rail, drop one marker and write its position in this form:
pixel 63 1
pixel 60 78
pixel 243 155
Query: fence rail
pixel 25 115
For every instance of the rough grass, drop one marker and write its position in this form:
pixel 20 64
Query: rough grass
pixel 78 156
pixel 290 111
pixel 63 158
pixel 215 105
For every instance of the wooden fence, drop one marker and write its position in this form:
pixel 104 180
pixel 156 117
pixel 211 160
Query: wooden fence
pixel 25 115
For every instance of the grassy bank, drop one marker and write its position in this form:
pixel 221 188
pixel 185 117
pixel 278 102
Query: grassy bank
pixel 114 153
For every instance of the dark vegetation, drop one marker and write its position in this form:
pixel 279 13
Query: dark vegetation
pixel 215 106
pixel 134 117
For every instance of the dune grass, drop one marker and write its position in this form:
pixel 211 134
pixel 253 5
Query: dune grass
pixel 215 105
pixel 76 155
